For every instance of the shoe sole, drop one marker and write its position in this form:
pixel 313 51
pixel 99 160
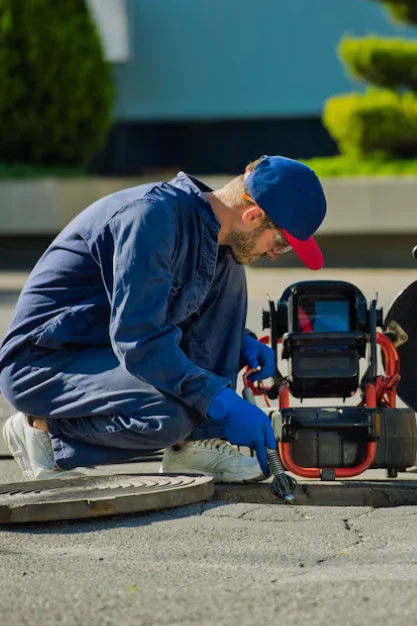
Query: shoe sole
pixel 221 477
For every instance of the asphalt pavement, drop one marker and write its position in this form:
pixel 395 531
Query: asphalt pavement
pixel 216 562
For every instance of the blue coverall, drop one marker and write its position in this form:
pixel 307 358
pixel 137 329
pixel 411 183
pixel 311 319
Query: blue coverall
pixel 128 325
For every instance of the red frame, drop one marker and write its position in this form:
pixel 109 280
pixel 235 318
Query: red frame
pixel 382 393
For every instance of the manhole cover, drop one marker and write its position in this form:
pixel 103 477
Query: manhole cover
pixel 95 496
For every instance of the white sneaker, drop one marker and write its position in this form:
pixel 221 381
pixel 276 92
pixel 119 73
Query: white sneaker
pixel 214 457
pixel 32 450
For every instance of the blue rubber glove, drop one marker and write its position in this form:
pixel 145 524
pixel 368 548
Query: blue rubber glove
pixel 255 353
pixel 245 424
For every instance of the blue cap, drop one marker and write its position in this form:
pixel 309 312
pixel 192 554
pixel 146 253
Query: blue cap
pixel 291 195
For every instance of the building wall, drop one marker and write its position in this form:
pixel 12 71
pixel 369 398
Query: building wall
pixel 218 59
pixel 211 84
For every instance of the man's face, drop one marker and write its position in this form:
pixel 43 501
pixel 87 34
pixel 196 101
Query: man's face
pixel 247 247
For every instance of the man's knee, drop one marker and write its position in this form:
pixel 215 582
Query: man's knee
pixel 172 422
pixel 176 426
pixel 135 430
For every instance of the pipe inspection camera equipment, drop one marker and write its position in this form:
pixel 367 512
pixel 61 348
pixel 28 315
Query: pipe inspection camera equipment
pixel 331 340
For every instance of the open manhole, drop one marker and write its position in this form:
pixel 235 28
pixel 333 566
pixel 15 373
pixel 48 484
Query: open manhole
pixel 95 496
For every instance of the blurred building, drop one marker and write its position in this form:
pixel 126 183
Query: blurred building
pixel 209 84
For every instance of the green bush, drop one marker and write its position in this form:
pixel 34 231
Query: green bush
pixel 402 10
pixel 381 61
pixel 55 87
pixel 342 165
pixel 377 124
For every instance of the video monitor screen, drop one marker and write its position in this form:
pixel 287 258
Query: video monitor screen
pixel 322 316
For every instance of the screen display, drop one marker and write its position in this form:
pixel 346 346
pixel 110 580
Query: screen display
pixel 322 316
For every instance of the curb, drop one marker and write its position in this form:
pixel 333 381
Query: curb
pixel 375 493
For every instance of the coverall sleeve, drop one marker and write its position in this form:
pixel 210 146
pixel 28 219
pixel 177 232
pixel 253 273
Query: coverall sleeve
pixel 144 341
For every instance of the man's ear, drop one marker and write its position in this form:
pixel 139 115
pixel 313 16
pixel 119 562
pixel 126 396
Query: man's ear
pixel 252 214
pixel 246 174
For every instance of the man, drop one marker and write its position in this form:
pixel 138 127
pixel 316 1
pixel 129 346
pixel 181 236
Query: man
pixel 129 333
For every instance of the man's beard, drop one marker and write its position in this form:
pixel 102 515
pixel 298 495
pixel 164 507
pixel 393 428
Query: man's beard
pixel 243 245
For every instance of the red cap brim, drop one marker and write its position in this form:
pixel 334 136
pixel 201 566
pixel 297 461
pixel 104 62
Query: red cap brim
pixel 308 251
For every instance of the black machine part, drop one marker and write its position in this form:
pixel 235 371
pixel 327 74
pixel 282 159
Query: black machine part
pixel 325 327
pixel 370 374
pixel 403 311
pixel 324 365
pixel 286 318
pixel 336 437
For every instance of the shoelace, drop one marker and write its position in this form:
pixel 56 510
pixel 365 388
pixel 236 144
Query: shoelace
pixel 218 444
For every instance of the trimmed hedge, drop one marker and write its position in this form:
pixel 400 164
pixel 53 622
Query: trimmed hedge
pixel 387 62
pixel 377 124
pixel 55 88
pixel 402 10
pixel 380 124
pixel 345 166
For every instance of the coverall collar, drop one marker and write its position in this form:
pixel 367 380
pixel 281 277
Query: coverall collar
pixel 188 182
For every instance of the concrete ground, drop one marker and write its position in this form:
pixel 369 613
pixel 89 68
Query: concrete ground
pixel 216 562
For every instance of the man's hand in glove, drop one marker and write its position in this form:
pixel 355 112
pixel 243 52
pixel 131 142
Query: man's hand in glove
pixel 256 354
pixel 245 424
